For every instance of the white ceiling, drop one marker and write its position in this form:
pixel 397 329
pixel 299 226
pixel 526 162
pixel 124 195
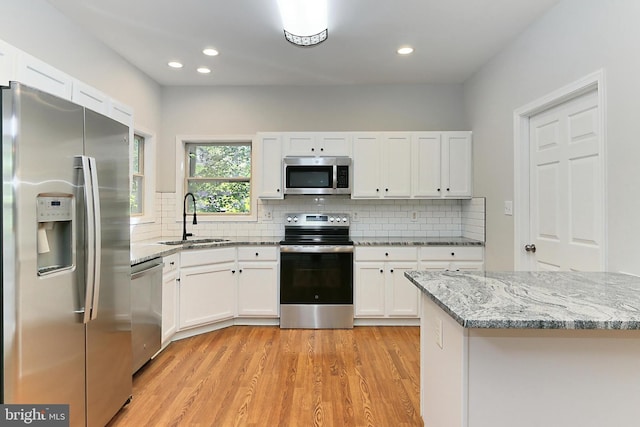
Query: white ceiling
pixel 451 38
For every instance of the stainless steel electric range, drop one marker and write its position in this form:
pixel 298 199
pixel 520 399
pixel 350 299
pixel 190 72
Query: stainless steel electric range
pixel 316 272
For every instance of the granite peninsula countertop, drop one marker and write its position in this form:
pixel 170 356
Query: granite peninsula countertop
pixel 534 300
pixel 149 249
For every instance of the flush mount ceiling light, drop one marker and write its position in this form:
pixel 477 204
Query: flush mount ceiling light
pixel 175 64
pixel 210 52
pixel 203 70
pixel 405 50
pixel 304 21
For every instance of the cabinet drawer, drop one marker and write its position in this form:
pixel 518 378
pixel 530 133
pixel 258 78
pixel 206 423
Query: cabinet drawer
pixel 451 253
pixel 258 253
pixel 386 253
pixel 207 256
pixel 170 263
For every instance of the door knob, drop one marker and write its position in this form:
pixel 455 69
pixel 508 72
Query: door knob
pixel 530 248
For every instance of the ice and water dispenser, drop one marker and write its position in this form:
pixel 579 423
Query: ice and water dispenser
pixel 55 232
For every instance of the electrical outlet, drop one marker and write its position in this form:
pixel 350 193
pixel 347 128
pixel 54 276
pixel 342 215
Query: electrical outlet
pixel 267 215
pixel 414 216
pixel 354 216
pixel 439 332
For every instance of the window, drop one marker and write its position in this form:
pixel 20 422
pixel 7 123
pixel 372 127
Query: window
pixel 137 180
pixel 219 175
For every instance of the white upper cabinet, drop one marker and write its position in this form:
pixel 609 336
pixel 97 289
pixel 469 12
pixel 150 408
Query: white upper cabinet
pixel 441 165
pixel 456 164
pixel 316 144
pixel 381 165
pixel 268 149
pixel 7 62
pixel 366 166
pixel 90 97
pixel 40 75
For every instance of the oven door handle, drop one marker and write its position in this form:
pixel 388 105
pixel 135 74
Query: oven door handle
pixel 316 248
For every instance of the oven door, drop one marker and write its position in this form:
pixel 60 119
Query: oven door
pixel 316 274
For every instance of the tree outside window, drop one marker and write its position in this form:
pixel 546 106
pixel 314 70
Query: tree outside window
pixel 219 174
pixel 137 180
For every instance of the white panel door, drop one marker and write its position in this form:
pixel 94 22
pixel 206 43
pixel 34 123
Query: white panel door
pixel 426 164
pixel 396 165
pixel 566 195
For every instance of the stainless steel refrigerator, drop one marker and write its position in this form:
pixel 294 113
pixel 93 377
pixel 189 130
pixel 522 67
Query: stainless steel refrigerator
pixel 66 321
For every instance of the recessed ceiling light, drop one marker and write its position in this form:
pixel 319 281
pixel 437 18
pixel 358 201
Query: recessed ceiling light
pixel 175 64
pixel 204 70
pixel 210 52
pixel 405 50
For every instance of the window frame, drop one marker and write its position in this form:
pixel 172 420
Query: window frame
pixel 139 173
pixel 149 171
pixel 181 176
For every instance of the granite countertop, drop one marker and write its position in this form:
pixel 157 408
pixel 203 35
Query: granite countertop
pixel 149 249
pixel 534 300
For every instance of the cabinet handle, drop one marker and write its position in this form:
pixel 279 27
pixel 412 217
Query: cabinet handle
pixel 381 271
pixel 278 190
pixel 453 254
pixel 391 270
pixel 438 190
pixel 386 254
pixel 233 272
pixel 322 149
pixel 448 189
pixel 240 271
pixel 377 190
pixel 172 263
pixel 257 254
pixel 386 189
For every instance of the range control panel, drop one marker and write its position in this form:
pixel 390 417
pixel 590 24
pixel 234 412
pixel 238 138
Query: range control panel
pixel 316 220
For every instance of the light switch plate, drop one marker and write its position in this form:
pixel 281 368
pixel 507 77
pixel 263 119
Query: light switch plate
pixel 508 207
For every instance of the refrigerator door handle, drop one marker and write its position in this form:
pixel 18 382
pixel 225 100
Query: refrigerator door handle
pixel 92 207
pixel 97 240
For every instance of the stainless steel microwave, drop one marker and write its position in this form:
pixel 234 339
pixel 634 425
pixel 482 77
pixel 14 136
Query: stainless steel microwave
pixel 317 175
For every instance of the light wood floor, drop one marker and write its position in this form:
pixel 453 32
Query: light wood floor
pixel 266 376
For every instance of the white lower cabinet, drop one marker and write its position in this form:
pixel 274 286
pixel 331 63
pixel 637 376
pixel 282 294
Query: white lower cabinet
pixel 169 297
pixel 381 290
pixel 207 286
pixel 258 281
pixel 452 258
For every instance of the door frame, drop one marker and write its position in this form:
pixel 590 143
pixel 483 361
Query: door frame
pixel 521 117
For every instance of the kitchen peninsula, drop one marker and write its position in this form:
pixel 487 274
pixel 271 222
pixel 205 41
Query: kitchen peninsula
pixel 529 349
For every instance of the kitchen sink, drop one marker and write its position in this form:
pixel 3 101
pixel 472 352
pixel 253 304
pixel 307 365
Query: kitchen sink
pixel 192 241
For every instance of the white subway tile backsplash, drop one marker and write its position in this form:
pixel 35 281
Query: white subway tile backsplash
pixel 378 218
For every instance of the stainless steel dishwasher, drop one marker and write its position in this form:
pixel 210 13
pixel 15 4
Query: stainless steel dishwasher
pixel 146 310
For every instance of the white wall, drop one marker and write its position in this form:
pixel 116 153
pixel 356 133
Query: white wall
pixel 37 28
pixel 247 110
pixel 574 39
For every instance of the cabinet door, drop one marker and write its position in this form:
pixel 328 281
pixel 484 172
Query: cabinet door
pixel 258 289
pixel 299 144
pixel 402 295
pixel 426 167
pixel 207 294
pixel 7 63
pixel 333 144
pixel 457 164
pixel 366 166
pixel 396 165
pixel 169 306
pixel 40 75
pixel 91 98
pixel 270 175
pixel 369 289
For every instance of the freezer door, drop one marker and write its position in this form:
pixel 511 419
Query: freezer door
pixel 43 334
pixel 109 353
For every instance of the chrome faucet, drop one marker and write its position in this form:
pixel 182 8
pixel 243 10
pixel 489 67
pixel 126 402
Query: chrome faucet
pixel 184 215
